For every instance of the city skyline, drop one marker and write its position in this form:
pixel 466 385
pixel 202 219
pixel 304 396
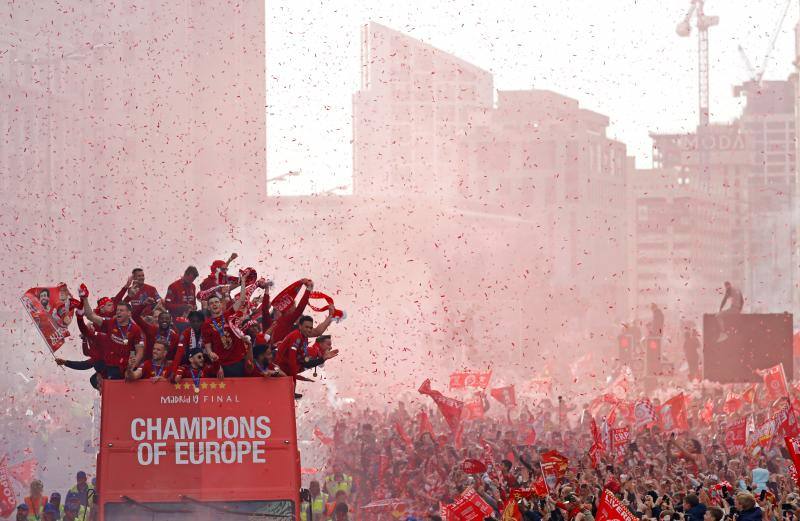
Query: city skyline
pixel 309 119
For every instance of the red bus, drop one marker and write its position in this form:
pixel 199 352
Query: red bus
pixel 224 450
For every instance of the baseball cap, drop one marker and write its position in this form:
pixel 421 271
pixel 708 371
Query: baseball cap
pixel 81 475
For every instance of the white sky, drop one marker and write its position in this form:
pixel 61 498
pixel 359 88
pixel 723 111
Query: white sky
pixel 621 58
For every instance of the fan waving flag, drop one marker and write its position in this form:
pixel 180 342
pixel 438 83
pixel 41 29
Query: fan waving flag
pixel 612 509
pixel 450 408
pixel 51 312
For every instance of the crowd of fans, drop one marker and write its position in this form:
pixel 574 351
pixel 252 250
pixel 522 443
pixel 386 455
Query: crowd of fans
pixel 402 463
pixel 191 334
pixel 76 505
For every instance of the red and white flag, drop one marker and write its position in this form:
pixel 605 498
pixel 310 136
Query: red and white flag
pixel 473 466
pixel 763 435
pixel 51 312
pixel 477 379
pixel 612 509
pixel 469 506
pixel 338 314
pixel 450 408
pixel 554 467
pixel 786 420
pixel 644 414
pixel 707 413
pixel 775 382
pixel 8 500
pixel 672 414
pixel 793 446
pixel 736 435
pixel 749 395
pixel 505 395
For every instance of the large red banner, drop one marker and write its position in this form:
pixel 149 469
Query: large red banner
pixel 233 439
pixel 793 446
pixel 450 408
pixel 672 414
pixel 51 313
pixel 736 435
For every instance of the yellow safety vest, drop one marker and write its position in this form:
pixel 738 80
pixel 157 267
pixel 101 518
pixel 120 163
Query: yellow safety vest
pixel 334 486
pixel 317 507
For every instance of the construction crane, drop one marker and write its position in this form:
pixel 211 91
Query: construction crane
pixel 684 29
pixel 754 83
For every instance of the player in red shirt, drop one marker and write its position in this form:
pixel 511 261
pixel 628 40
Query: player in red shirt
pixel 139 292
pixel 123 337
pixel 191 337
pixel 181 299
pixel 293 356
pixel 197 369
pixel 220 342
pixel 163 332
pixel 156 367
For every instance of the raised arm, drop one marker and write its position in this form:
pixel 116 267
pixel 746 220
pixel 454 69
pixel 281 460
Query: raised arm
pixel 322 326
pixel 241 300
pixel 89 313
pixel 232 258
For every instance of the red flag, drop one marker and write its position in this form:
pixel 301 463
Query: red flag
pixel 707 414
pixel 8 500
pixel 540 487
pixel 473 409
pixel 620 438
pixel 672 414
pixel 469 506
pixel 775 382
pixel 449 407
pixel 597 437
pixel 473 466
pixel 793 446
pixel 24 472
pixel 763 434
pixel 787 420
pixel 321 437
pixel 749 395
pixel 398 427
pixel 460 380
pixel 733 402
pixel 612 509
pixel 505 395
pixel 736 435
pixel 424 423
pixel 554 467
pixel 644 414
pixel 510 510
pixel 51 312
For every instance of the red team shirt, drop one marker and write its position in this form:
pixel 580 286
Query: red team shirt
pixel 209 370
pixel 291 351
pixel 146 291
pixel 152 333
pixel 151 371
pixel 180 298
pixel 211 335
pixel 120 341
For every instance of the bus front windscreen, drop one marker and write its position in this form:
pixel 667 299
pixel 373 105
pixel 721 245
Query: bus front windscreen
pixel 192 510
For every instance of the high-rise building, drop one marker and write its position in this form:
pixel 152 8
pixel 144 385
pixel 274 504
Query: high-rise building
pixel 415 100
pixel 768 125
pixel 692 218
